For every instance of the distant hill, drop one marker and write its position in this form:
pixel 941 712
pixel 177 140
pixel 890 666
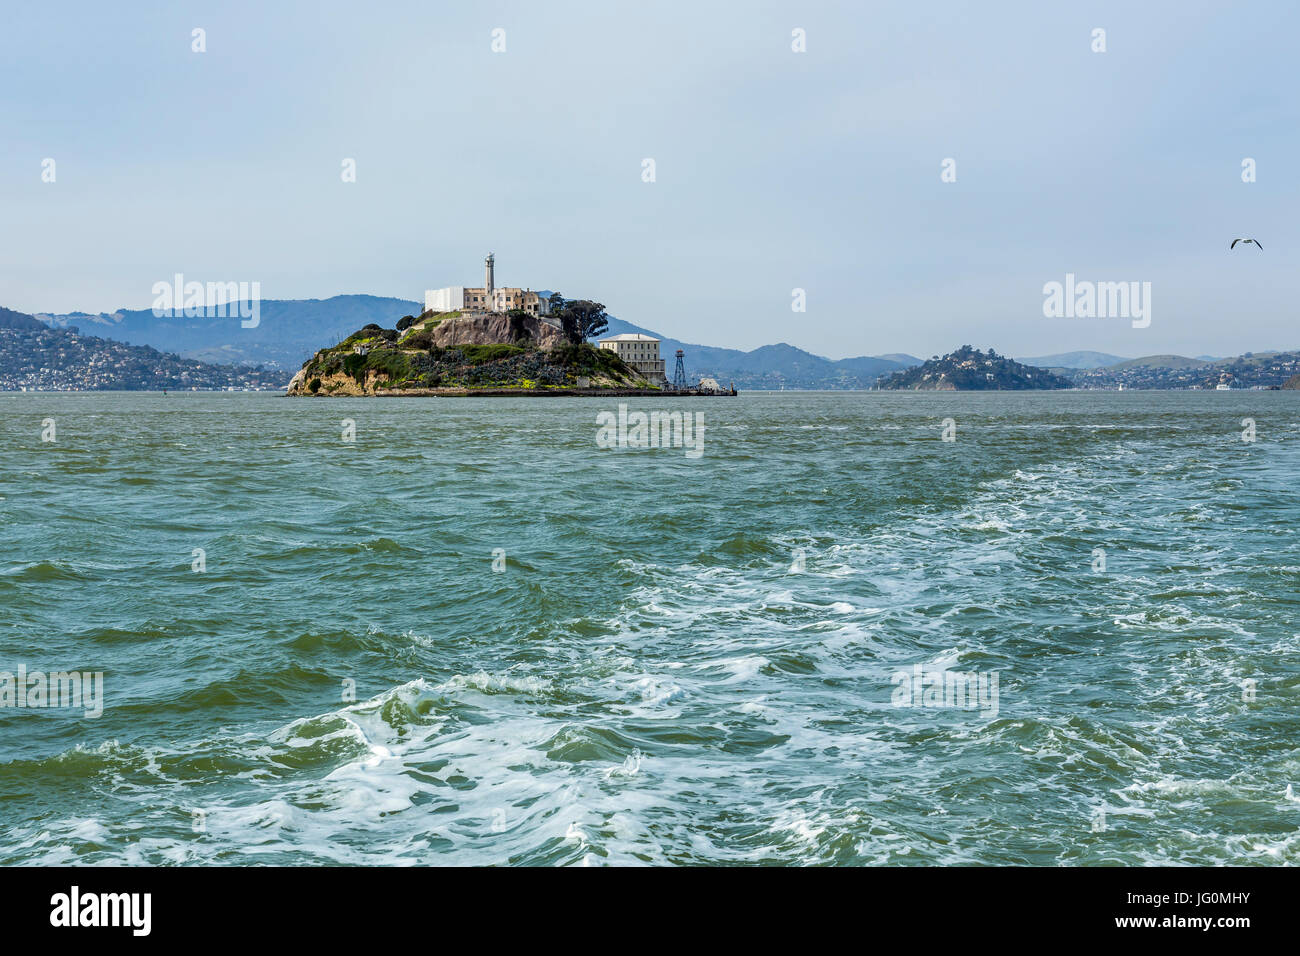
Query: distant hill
pixel 1250 370
pixel 969 369
pixel 769 366
pixel 291 330
pixel 9 319
pixel 1160 361
pixel 34 356
pixel 1074 360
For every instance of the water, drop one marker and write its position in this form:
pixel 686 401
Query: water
pixel 648 680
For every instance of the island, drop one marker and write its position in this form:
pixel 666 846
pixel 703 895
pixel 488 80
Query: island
pixel 969 369
pixel 479 354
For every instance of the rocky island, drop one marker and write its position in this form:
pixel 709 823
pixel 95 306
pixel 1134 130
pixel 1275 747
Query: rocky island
pixel 467 353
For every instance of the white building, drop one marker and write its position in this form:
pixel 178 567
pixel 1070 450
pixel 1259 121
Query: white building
pixel 639 351
pixel 450 299
pixel 485 298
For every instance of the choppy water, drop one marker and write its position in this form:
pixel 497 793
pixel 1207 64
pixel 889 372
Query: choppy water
pixel 648 680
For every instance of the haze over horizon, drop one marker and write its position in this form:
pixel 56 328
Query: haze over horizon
pixel 775 170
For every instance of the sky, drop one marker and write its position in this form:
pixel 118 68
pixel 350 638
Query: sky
pixel 774 170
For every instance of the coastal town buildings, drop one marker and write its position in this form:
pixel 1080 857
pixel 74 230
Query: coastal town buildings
pixel 63 360
pixel 487 297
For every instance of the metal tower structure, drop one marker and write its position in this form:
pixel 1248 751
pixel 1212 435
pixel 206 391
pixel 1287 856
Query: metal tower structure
pixel 679 375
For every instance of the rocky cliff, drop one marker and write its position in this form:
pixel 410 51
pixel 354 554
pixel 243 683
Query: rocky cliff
pixel 491 328
pixel 453 352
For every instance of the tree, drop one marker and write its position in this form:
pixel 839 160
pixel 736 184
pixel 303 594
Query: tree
pixel 581 319
pixel 592 318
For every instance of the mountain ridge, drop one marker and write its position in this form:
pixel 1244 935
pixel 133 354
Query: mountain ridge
pixel 36 357
pixel 1081 359
pixel 290 331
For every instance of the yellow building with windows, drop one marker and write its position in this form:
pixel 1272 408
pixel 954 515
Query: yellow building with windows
pixel 639 351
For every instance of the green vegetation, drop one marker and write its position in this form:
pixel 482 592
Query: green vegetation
pixel 581 319
pixel 969 369
pixel 375 358
pixel 585 359
pixel 392 365
pixel 424 324
pixel 479 354
pixel 355 365
pixel 370 335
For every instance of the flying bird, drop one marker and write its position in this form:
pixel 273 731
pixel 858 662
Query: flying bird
pixel 1235 241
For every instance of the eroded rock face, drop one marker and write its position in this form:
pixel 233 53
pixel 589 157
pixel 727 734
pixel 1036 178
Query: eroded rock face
pixel 491 328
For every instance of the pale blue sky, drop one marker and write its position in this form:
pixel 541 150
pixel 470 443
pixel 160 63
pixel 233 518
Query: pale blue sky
pixel 775 170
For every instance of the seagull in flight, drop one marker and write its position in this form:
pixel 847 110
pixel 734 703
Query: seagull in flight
pixel 1255 241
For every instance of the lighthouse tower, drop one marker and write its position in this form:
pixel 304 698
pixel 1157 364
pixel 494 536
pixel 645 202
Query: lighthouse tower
pixel 487 297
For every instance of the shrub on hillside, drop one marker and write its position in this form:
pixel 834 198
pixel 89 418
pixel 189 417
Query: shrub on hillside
pixel 479 354
pixel 419 340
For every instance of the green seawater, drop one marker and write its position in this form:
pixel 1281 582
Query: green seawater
pixel 684 661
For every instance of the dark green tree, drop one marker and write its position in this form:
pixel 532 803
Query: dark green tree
pixel 592 318
pixel 581 319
